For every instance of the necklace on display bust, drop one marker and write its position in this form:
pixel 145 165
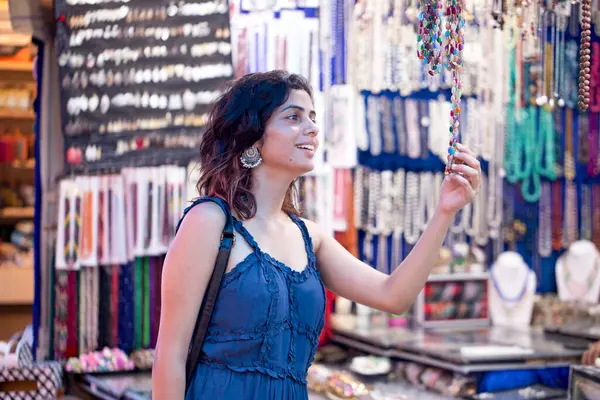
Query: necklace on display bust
pixel 580 288
pixel 510 301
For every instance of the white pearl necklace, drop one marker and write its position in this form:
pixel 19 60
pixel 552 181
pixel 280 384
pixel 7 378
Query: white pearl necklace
pixel 384 220
pixel 412 128
pixel 359 192
pixel 412 218
pixel 545 217
pixel 398 193
pixel 374 131
pixel 371 227
pixel 427 198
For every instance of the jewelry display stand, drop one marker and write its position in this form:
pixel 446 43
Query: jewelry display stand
pixel 512 287
pixel 578 273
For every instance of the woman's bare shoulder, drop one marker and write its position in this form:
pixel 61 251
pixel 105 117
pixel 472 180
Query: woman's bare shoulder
pixel 194 249
pixel 207 217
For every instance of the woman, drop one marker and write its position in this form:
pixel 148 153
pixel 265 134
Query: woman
pixel 262 135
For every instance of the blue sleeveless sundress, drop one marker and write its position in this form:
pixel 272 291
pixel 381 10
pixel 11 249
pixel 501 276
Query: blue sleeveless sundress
pixel 265 327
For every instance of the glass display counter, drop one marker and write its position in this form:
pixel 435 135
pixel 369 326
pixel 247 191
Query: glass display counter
pixel 584 383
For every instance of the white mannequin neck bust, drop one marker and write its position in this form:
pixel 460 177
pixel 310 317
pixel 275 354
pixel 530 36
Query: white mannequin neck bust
pixel 578 272
pixel 512 289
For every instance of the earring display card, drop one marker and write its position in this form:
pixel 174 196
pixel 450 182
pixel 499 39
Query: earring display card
pixel 138 78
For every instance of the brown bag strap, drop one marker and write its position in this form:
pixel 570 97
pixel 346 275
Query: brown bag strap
pixel 212 290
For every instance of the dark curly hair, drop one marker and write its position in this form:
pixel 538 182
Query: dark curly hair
pixel 236 122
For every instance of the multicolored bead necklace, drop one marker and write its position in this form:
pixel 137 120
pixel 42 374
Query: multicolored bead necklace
pixel 454 63
pixel 430 35
pixel 430 51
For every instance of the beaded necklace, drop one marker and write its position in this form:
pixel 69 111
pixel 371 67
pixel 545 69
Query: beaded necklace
pixel 398 217
pixel 596 215
pixel 545 227
pixel 454 61
pixel 412 218
pixel 557 217
pixel 430 52
pixel 592 144
pixel 580 289
pixel 586 212
pixel 430 35
pixel 584 59
pixel 384 220
pixel 582 139
pixel 570 231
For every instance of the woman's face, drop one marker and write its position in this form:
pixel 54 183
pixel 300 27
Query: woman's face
pixel 290 140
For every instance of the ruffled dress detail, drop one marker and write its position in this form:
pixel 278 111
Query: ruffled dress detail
pixel 264 330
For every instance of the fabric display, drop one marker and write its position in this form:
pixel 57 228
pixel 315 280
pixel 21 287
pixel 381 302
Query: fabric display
pixel 115 306
pixel 138 90
pixel 112 235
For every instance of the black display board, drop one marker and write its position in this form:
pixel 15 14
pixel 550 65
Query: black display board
pixel 137 79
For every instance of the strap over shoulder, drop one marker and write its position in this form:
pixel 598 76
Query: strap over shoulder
pixel 228 229
pixel 212 290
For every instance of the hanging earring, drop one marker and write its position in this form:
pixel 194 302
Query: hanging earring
pixel 250 158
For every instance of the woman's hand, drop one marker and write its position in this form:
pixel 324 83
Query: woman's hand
pixel 462 184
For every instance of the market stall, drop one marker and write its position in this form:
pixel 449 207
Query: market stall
pixel 516 286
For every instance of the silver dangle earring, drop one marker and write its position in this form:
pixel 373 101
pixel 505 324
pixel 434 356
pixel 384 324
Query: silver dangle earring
pixel 251 158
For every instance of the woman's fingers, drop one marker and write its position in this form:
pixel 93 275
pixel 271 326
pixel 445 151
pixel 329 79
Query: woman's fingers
pixel 470 167
pixel 468 172
pixel 461 180
pixel 468 159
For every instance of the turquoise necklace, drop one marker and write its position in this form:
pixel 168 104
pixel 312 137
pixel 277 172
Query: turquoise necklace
pixel 530 144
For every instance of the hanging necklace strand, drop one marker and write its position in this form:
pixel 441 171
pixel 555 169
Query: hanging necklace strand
pixel 584 56
pixel 454 61
pixel 430 52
